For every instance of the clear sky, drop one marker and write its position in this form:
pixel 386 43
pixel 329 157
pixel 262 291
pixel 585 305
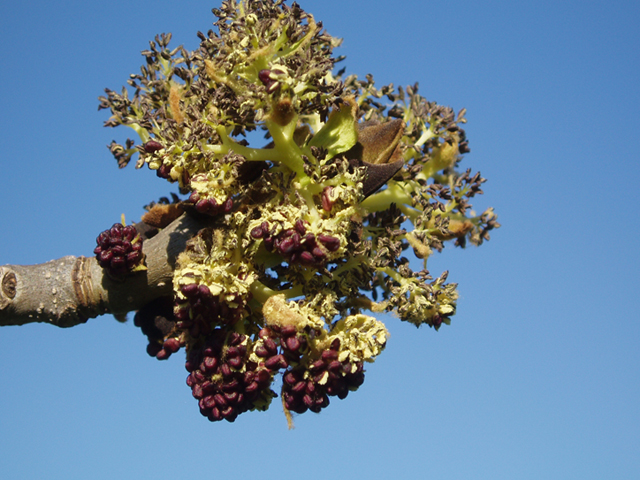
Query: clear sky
pixel 538 376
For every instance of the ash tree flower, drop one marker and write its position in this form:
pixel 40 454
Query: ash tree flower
pixel 306 231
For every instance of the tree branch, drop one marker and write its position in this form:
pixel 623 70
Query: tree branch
pixel 70 290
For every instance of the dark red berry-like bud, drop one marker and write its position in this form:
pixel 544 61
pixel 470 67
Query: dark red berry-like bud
pixel 331 243
pixel 235 362
pixel 210 364
pixel 172 345
pixel 263 76
pixel 288 330
pixel 300 227
pixel 257 233
pixel 164 171
pixel 329 355
pixel 275 363
pixel 293 343
pixel 152 146
pixel 327 203
pixel 307 258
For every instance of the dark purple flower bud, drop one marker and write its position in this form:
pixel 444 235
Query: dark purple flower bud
pixel 215 415
pixel 293 344
pixel 189 290
pixel 275 363
pixel 119 251
pixel 105 257
pixel 194 197
pixel 346 367
pixel 198 376
pixel 263 377
pixel 287 245
pixel 197 391
pixel 230 386
pixel 152 146
pixel 318 254
pixel 335 344
pixel 327 203
pixel 164 171
pixel 300 387
pixel 252 387
pixel 332 243
pixel 235 362
pixel 225 370
pixel 129 232
pixel 261 351
pixel 235 338
pixel 208 388
pixel 288 330
pixel 270 345
pixel 300 227
pixel 227 206
pixel 118 264
pixel 329 355
pixel 221 402
pixel 209 401
pixel 308 401
pixel 335 366
pixel 291 378
pixel 202 206
pixel 232 397
pixel 307 258
pixel 172 345
pixel 153 349
pixel 233 352
pixel 317 366
pixel 103 239
pixel 133 258
pixel 229 413
pixel 209 364
pixel 204 291
pixel 263 76
pixel 257 233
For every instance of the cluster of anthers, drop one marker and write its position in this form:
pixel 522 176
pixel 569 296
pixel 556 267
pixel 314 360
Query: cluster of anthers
pixel 305 232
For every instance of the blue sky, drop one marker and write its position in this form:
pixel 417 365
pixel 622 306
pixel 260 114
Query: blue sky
pixel 537 377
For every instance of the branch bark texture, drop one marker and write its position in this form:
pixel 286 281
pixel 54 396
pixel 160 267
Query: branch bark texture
pixel 70 290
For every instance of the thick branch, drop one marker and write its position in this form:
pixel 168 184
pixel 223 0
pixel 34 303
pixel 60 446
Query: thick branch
pixel 70 290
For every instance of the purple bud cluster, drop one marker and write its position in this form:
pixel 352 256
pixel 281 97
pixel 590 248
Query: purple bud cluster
pixel 202 311
pixel 326 377
pixel 297 245
pixel 119 249
pixel 210 206
pixel 223 380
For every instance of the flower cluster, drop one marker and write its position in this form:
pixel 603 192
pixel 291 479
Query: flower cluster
pixel 223 380
pixel 307 231
pixel 119 250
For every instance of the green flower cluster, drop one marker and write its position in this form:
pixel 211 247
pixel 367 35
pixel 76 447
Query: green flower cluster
pixel 310 229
